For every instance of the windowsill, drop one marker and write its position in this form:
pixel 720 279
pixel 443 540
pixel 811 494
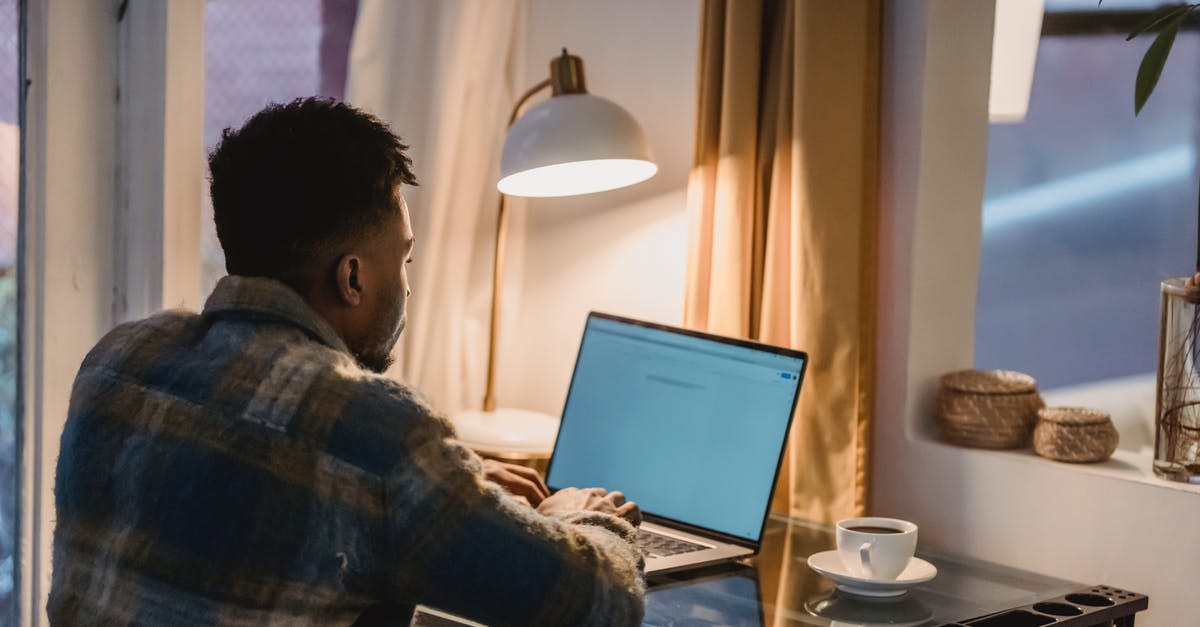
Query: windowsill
pixel 1132 466
pixel 1130 402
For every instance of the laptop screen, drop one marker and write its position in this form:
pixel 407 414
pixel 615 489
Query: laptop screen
pixel 689 426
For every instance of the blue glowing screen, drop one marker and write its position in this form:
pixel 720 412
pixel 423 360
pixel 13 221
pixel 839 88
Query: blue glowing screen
pixel 690 428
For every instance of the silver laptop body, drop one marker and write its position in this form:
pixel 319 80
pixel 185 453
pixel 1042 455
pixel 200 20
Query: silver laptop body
pixel 691 426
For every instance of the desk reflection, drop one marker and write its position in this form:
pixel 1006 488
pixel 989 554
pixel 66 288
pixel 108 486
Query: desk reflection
pixel 735 597
pixel 730 598
pixel 843 609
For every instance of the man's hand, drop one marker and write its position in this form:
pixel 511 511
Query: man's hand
pixel 524 483
pixel 591 499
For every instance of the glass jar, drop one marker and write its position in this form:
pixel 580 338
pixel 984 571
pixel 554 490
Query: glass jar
pixel 1177 406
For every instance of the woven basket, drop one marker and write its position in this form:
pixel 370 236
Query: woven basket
pixel 1075 434
pixel 987 408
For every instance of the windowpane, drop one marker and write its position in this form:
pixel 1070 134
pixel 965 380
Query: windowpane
pixel 261 52
pixel 1087 209
pixel 9 186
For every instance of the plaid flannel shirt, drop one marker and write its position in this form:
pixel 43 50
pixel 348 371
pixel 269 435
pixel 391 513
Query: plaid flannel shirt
pixel 239 468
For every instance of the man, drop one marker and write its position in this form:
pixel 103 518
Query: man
pixel 249 465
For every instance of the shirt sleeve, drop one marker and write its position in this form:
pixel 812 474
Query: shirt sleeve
pixel 462 545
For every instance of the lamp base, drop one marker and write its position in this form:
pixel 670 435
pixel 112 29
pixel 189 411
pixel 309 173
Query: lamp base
pixel 507 431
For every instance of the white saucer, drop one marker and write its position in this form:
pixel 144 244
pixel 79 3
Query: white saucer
pixel 828 563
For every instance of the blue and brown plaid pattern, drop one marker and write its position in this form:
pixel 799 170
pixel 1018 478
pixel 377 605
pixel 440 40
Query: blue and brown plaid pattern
pixel 238 467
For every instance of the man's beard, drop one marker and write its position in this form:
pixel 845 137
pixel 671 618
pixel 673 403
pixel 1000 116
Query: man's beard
pixel 375 361
pixel 378 357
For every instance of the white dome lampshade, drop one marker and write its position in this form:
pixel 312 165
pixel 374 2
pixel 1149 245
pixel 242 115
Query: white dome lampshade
pixel 574 144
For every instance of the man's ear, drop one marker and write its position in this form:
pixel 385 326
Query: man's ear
pixel 349 280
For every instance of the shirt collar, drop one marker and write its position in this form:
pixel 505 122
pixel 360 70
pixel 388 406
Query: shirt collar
pixel 261 298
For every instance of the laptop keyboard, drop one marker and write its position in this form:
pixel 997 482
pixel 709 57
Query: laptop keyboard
pixel 658 545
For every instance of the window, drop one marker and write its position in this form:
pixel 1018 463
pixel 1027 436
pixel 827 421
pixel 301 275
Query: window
pixel 260 52
pixel 1087 208
pixel 9 184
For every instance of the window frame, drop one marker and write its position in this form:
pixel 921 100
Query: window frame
pixel 107 224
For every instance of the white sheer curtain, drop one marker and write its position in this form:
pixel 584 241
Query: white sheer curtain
pixel 444 75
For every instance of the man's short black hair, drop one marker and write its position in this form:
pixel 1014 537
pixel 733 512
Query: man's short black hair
pixel 299 179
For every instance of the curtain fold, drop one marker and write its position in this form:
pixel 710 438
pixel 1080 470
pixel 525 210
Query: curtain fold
pixel 783 211
pixel 444 75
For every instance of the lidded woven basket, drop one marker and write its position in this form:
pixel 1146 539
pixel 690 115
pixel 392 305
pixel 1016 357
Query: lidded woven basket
pixel 987 408
pixel 1075 434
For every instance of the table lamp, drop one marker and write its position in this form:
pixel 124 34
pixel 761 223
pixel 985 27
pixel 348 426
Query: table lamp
pixel 570 144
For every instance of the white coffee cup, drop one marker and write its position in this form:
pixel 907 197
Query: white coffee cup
pixel 876 548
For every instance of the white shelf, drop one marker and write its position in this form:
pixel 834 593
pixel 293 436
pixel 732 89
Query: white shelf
pixel 1133 466
pixel 1130 402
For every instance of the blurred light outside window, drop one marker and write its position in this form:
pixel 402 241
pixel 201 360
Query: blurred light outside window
pixel 1087 208
pixel 9 187
pixel 260 52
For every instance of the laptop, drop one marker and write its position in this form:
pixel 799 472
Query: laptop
pixel 691 426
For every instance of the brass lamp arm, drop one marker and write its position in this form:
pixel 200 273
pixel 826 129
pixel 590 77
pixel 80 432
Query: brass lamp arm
pixel 566 77
pixel 529 93
pixel 489 395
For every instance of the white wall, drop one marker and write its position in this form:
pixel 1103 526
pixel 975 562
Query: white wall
pixel 623 251
pixel 1013 509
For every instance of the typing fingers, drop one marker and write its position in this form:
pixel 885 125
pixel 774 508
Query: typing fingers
pixel 522 487
pixel 516 481
pixel 630 512
pixel 617 498
pixel 533 477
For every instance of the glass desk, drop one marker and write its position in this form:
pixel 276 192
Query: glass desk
pixel 778 588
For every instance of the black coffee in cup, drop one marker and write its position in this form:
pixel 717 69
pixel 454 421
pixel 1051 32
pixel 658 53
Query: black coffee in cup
pixel 872 529
pixel 876 547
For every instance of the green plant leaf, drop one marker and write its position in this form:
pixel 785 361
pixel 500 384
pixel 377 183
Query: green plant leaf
pixel 1152 63
pixel 1159 17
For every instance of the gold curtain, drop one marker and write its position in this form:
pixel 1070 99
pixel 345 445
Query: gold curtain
pixel 782 204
